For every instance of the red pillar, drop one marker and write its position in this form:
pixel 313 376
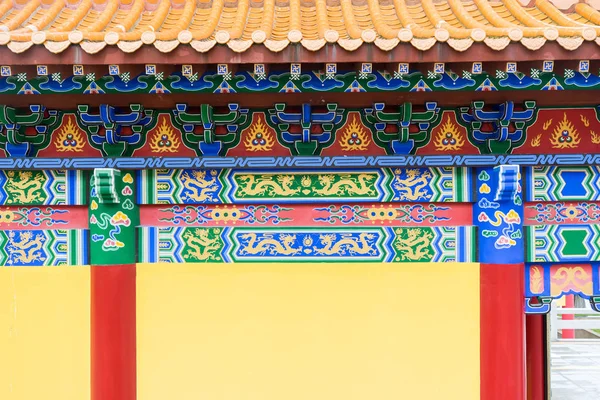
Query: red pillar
pixel 113 336
pixel 536 357
pixel 502 332
pixel 569 303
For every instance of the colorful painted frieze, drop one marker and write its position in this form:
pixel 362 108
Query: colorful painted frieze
pixel 369 244
pixel 563 243
pixel 301 186
pixel 43 217
pixel 545 282
pixel 554 183
pixel 562 212
pixel 42 187
pixel 322 136
pixel 37 248
pixel 385 214
pixel 336 78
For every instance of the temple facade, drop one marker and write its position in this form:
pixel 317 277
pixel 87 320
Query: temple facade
pixel 293 199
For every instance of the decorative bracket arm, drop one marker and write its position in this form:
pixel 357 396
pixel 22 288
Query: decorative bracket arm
pixel 500 128
pixel 209 143
pixel 307 141
pixel 13 125
pixel 404 141
pixel 113 142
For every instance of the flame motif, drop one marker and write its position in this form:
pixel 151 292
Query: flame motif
pixel 586 122
pixel 565 135
pixel 536 280
pixel 164 140
pixel 259 138
pixel 449 138
pixel 355 137
pixel 595 137
pixel 547 124
pixel 69 139
pixel 536 141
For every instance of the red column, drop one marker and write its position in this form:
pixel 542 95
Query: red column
pixel 536 357
pixel 502 332
pixel 113 337
pixel 569 303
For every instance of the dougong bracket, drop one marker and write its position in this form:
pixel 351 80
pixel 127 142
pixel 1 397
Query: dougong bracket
pixel 500 129
pixel 308 141
pixel 403 141
pixel 114 142
pixel 13 126
pixel 209 143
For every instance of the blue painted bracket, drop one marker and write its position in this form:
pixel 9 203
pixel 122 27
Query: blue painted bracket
pixel 405 141
pixel 112 120
pixel 501 124
pixel 306 142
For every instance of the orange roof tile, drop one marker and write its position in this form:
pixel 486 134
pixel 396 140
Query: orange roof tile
pixel 239 24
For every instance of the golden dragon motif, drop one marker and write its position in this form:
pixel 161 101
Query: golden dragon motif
pixel 415 245
pixel 411 187
pixel 266 244
pixel 274 185
pixel 200 188
pixel 26 250
pixel 347 185
pixel 201 246
pixel 26 189
pixel 347 244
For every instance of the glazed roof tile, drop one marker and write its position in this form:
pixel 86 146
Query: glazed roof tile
pixel 239 24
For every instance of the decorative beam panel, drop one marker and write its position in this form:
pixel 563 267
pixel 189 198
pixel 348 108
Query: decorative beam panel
pixel 326 214
pixel 44 247
pixel 331 244
pixel 292 186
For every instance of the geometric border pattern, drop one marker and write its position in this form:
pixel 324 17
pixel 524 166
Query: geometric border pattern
pixel 563 183
pixel 549 243
pixel 139 163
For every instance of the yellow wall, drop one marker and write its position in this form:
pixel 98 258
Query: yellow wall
pixel 308 331
pixel 44 333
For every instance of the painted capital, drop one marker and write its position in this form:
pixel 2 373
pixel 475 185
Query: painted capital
pixel 114 217
pixel 498 215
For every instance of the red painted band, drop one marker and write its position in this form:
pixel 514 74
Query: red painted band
pixel 502 332
pixel 536 356
pixel 113 337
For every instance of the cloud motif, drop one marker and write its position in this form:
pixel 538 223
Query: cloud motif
pixel 453 82
pixel 379 81
pixel 319 84
pixel 485 203
pixel 61 86
pixel 6 86
pixel 249 82
pixel 519 81
pixel 116 83
pixel 183 83
pixel 581 80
